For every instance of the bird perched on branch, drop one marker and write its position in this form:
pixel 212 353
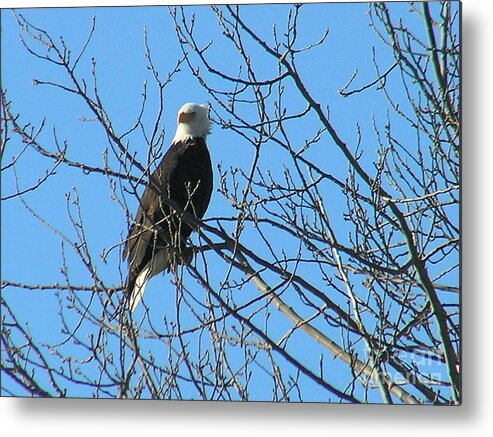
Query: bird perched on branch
pixel 156 239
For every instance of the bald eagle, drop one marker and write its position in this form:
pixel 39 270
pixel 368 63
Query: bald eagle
pixel 156 239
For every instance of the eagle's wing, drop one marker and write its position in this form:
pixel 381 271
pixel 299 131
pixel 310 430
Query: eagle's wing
pixel 142 237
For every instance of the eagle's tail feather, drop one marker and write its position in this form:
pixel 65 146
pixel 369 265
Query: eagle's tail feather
pixel 139 287
pixel 159 262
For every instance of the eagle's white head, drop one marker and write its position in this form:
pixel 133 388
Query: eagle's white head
pixel 192 121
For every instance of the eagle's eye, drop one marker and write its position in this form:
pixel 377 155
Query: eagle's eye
pixel 193 114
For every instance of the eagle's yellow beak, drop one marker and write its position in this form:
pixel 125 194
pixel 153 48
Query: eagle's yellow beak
pixel 186 117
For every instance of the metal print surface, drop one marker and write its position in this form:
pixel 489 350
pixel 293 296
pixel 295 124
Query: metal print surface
pixel 240 203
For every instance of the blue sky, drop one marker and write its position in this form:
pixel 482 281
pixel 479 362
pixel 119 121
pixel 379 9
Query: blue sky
pixel 118 47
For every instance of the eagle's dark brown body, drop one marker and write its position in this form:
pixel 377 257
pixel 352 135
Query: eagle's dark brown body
pixel 184 176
